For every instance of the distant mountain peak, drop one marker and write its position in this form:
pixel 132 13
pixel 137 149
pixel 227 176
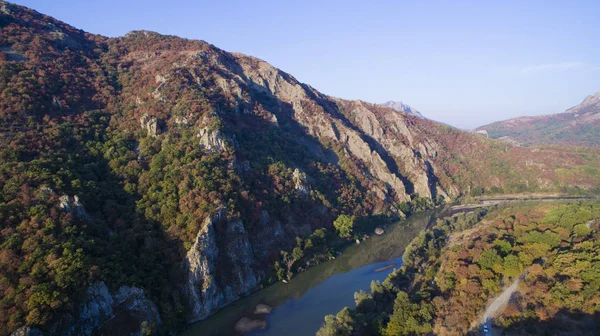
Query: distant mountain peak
pixel 578 126
pixel 591 103
pixel 401 107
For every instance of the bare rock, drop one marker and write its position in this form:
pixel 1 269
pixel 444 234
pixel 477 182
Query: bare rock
pixel 207 291
pixel 262 308
pixel 182 121
pixel 96 310
pixel 300 183
pixel 150 124
pixel 401 107
pixel 5 8
pixel 379 231
pixel 214 140
pixel 27 331
pixel 133 300
pixel 73 205
pixel 246 325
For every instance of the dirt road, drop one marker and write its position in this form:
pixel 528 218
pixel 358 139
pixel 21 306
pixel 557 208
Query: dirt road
pixel 498 305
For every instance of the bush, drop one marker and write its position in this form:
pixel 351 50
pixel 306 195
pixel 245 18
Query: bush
pixel 581 230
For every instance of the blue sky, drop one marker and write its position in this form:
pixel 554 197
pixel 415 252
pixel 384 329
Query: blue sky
pixel 465 63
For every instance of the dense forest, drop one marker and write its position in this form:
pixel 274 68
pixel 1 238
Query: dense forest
pixel 119 153
pixel 453 270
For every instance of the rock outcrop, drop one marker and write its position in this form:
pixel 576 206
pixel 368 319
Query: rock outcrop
pixel 150 124
pixel 103 313
pixel 27 331
pixel 401 107
pixel 209 288
pixel 73 205
pixel 300 184
pixel 214 140
pixel 246 325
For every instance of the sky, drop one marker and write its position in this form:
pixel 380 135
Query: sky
pixel 465 63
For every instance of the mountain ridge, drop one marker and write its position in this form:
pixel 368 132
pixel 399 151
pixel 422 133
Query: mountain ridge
pixel 578 125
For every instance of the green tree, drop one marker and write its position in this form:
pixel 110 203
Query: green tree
pixel 297 253
pixel 504 246
pixel 409 318
pixel 489 258
pixel 477 191
pixel 344 225
pixel 512 266
pixel 581 230
pixel 341 324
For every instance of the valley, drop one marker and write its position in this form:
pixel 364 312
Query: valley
pixel 152 184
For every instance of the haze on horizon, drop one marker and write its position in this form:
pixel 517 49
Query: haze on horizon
pixel 463 63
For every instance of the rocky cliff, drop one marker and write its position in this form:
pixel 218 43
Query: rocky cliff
pixel 125 312
pixel 220 270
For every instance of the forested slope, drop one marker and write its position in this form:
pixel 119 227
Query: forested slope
pixel 452 271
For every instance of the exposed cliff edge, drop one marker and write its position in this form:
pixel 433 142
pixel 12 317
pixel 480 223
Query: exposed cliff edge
pixel 125 312
pixel 223 243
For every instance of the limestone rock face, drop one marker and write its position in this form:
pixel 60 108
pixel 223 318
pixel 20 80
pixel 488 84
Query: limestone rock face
pixel 103 313
pixel 269 235
pixel 300 183
pixel 214 140
pixel 207 290
pixel 401 107
pixel 392 155
pixel 95 311
pixel 134 301
pixel 73 205
pixel 150 124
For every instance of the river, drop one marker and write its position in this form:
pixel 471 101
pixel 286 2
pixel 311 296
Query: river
pixel 300 306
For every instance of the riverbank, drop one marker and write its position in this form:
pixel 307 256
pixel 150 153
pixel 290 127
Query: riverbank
pixel 458 268
pixel 300 305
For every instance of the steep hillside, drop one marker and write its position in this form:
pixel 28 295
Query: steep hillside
pixel 579 126
pixel 149 180
pixel 401 107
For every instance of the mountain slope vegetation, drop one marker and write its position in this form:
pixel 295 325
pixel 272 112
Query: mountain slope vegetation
pixel 452 271
pixel 165 166
pixel 577 126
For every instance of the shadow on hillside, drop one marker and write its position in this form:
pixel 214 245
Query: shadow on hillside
pixel 285 116
pixel 564 323
pixel 129 248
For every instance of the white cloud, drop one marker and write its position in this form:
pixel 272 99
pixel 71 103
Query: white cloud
pixel 564 66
